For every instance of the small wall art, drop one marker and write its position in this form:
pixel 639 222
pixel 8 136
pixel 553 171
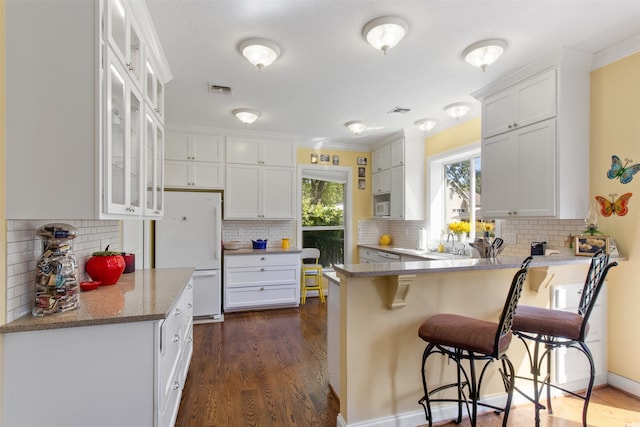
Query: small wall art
pixel 586 245
pixel 314 158
pixel 623 172
pixel 615 206
pixel 362 161
pixel 324 158
pixel 336 159
pixel 362 184
pixel 361 171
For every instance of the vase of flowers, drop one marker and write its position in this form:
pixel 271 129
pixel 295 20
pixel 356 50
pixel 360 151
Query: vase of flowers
pixel 460 229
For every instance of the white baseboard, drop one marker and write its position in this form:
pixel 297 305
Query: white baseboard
pixel 624 384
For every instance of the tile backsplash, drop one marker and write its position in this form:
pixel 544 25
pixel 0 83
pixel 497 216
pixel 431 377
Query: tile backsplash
pixel 273 231
pixel 24 248
pixel 517 233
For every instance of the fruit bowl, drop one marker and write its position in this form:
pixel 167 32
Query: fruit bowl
pixel 89 286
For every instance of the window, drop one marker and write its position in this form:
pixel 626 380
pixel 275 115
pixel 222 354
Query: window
pixel 455 190
pixel 323 216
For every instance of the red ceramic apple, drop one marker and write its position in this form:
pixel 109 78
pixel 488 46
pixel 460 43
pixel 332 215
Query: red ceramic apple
pixel 105 266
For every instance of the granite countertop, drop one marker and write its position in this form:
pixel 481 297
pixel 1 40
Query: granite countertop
pixel 454 265
pixel 249 251
pixel 140 296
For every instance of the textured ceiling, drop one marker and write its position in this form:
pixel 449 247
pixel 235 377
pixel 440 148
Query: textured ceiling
pixel 327 73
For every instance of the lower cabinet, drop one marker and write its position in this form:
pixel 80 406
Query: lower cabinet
pixel 258 281
pixel 118 374
pixel 371 256
pixel 571 366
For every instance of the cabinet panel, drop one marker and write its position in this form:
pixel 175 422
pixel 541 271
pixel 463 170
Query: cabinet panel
pixel 278 188
pixel 396 196
pixel 241 150
pixel 242 192
pixel 381 159
pixel 381 182
pixel 203 148
pixel 256 297
pixel 278 153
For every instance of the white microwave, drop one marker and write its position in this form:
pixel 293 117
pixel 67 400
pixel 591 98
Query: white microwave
pixel 382 209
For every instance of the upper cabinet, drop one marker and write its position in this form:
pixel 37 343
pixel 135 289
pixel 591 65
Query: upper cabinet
pixel 399 175
pixel 78 144
pixel 194 161
pixel 260 179
pixel 535 135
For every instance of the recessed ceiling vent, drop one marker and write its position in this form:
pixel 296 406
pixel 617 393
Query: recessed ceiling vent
pixel 220 90
pixel 399 110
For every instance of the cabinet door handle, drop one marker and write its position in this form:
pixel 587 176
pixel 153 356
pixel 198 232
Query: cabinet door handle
pixel 189 339
pixel 178 312
pixel 190 286
pixel 176 385
pixel 264 258
pixel 262 269
pixel 176 338
pixel 189 305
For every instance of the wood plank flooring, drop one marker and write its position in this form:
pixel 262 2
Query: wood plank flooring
pixel 269 368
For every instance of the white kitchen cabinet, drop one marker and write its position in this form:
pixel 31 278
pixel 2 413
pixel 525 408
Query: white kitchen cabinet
pixel 124 37
pixel 57 136
pixel 124 144
pixel 372 256
pixel 381 182
pixel 528 102
pixel 528 169
pixel 260 152
pixel 570 367
pixel 259 192
pixel 381 159
pixel 154 166
pixel 123 374
pixel 154 88
pixel 190 174
pixel 194 161
pixel 518 172
pixel 403 183
pixel 258 281
pixel 260 179
pixel 201 148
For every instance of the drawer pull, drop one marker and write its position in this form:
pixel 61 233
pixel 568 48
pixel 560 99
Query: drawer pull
pixel 262 269
pixel 178 312
pixel 176 338
pixel 190 286
pixel 190 339
pixel 262 288
pixel 264 258
pixel 189 305
pixel 176 385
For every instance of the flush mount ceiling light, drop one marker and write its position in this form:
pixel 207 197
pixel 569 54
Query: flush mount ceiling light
pixel 356 126
pixel 457 109
pixel 484 53
pixel 385 32
pixel 426 125
pixel 259 52
pixel 246 115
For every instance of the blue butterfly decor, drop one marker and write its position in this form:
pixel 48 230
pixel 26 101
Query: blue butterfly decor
pixel 618 170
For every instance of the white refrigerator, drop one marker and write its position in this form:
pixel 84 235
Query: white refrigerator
pixel 189 235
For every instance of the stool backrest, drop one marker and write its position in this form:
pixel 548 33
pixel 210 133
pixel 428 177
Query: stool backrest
pixel 506 318
pixel 310 253
pixel 593 284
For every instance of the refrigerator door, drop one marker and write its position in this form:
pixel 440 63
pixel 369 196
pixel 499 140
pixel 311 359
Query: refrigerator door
pixel 207 294
pixel 189 234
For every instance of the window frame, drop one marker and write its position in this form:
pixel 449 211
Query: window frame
pixel 436 190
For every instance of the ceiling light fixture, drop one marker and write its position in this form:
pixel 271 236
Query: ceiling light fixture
pixel 426 125
pixel 259 52
pixel 385 32
pixel 246 115
pixel 484 53
pixel 356 126
pixel 457 109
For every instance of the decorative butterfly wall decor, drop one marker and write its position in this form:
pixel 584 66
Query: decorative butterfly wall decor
pixel 617 207
pixel 618 170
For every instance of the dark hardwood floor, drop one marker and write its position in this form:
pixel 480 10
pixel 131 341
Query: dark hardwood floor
pixel 270 369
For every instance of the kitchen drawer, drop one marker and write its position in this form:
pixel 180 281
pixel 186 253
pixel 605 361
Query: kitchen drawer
pixel 261 296
pixel 375 255
pixel 261 260
pixel 170 394
pixel 264 276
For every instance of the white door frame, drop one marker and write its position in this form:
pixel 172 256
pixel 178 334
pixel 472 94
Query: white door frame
pixel 338 173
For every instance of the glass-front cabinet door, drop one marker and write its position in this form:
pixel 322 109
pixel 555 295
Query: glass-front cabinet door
pixel 154 165
pixel 123 148
pixel 125 38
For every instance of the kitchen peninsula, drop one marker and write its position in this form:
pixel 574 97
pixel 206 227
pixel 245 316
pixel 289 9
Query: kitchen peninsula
pixel 374 349
pixel 118 360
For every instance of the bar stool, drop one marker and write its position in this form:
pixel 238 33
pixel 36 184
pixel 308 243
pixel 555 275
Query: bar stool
pixel 310 271
pixel 540 327
pixel 463 338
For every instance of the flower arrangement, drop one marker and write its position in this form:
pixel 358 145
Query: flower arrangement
pixel 458 227
pixel 485 228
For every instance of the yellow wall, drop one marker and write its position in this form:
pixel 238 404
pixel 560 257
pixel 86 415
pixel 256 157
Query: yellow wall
pixel 361 199
pixel 461 135
pixel 615 129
